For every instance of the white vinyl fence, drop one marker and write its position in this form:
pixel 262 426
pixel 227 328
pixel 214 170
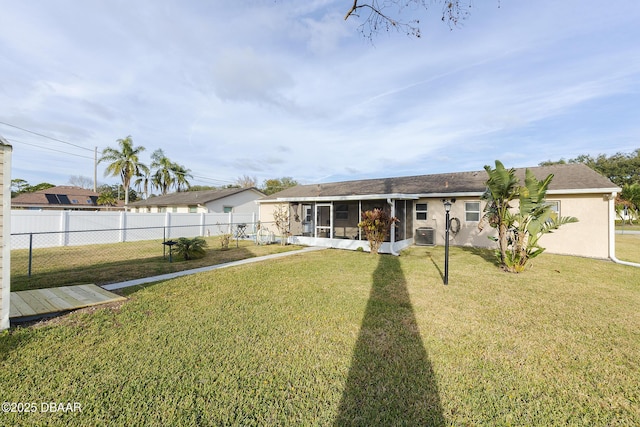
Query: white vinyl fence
pixel 40 229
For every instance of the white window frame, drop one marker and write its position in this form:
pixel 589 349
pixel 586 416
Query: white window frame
pixel 555 207
pixel 468 211
pixel 425 211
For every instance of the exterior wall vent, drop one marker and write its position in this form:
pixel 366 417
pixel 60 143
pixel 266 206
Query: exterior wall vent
pixel 425 236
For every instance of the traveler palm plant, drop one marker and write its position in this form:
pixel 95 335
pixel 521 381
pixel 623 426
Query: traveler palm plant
pixel 519 231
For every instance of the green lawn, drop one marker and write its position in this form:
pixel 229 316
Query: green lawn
pixel 117 262
pixel 628 247
pixel 345 338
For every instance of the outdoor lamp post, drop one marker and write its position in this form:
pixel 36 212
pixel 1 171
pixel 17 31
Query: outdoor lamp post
pixel 447 209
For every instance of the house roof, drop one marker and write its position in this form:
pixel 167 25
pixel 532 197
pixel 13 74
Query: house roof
pixel 185 198
pixel 57 197
pixel 568 178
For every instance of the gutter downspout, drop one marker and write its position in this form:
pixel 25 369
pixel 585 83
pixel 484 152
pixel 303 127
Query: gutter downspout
pixel 393 229
pixel 612 234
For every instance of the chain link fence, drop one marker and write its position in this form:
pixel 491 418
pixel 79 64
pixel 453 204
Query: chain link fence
pixel 85 246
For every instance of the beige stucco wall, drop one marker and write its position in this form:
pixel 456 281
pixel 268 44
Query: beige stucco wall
pixel 5 227
pixel 469 234
pixel 589 237
pixel 266 216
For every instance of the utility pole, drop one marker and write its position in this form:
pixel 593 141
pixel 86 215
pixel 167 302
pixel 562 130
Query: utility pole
pixel 95 169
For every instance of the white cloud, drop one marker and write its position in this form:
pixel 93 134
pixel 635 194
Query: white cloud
pixel 291 89
pixel 244 75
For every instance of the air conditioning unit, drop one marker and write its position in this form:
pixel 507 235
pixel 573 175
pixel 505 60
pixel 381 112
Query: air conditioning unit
pixel 425 236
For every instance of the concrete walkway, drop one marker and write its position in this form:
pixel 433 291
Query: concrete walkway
pixel 627 232
pixel 136 282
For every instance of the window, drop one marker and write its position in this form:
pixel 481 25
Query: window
pixel 555 210
pixel 227 209
pixel 174 209
pixel 555 206
pixel 342 211
pixel 162 209
pixel 421 211
pixel 472 211
pixel 193 209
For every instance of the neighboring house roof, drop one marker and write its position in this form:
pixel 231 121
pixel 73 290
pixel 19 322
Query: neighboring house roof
pixel 60 197
pixel 568 178
pixel 185 198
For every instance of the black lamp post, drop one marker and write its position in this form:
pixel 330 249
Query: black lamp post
pixel 447 208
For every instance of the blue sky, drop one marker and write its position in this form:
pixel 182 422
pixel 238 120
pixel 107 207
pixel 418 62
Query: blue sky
pixel 270 88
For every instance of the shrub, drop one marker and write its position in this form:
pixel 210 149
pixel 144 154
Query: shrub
pixel 224 240
pixel 376 225
pixel 190 248
pixel 281 220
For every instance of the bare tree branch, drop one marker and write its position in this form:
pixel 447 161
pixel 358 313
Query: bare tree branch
pixel 453 13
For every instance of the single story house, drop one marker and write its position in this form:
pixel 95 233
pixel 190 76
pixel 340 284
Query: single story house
pixel 228 200
pixel 5 230
pixel 328 214
pixel 62 197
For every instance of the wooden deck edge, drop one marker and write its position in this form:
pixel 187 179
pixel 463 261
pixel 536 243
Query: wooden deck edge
pixel 32 304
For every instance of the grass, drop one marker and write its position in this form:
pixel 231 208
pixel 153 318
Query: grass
pixel 628 247
pixel 627 227
pixel 110 263
pixel 345 338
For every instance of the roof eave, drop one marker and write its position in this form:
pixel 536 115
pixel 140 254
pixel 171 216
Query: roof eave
pixel 603 190
pixel 400 196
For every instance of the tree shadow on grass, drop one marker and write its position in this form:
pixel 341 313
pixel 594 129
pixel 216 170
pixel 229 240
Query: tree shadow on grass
pixel 390 381
pixel 488 255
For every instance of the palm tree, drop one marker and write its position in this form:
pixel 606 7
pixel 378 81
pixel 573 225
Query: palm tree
pixel 107 198
pixel 162 178
pixel 181 174
pixel 142 184
pixel 168 174
pixel 630 197
pixel 124 163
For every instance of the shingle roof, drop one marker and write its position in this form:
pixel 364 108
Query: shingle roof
pixel 569 177
pixel 185 198
pixel 60 196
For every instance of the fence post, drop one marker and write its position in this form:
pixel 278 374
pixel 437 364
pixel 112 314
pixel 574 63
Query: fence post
pixel 64 228
pixel 202 222
pixel 123 226
pixel 30 252
pixel 167 225
pixel 230 231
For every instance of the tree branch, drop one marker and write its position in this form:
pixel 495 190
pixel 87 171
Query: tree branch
pixel 352 10
pixel 453 12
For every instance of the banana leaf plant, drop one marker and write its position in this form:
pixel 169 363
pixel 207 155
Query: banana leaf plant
pixel 519 231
